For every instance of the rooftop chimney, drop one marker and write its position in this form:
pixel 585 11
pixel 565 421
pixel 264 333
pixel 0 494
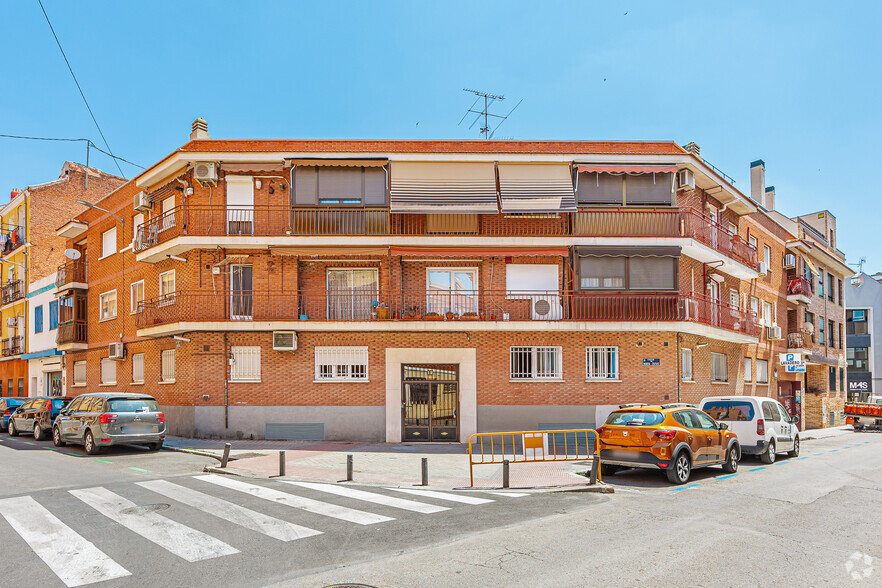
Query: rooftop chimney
pixel 770 198
pixel 693 148
pixel 758 181
pixel 200 129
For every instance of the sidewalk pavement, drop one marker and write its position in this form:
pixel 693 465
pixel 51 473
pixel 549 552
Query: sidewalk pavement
pixel 810 434
pixel 386 464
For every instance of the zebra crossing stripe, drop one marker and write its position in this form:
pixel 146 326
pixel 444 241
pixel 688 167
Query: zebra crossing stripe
pixel 273 527
pixel 394 502
pixel 314 506
pixel 71 557
pixel 181 540
pixel 510 494
pixel 462 498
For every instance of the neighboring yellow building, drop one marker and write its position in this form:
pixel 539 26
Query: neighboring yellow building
pixel 14 247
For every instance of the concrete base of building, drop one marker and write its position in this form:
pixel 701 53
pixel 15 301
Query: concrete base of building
pixel 328 423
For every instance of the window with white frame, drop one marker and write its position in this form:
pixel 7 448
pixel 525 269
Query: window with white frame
pixel 168 214
pixel 686 364
pixel 167 288
pixel 767 257
pixel 246 364
pixel 733 298
pixel 79 373
pixel 352 293
pixel 536 363
pixel 108 242
pixel 137 221
pixel 168 365
pixel 768 318
pixel 754 306
pixel 136 296
pixel 343 364
pixel 108 371
pixel 748 369
pixel 137 368
pixel 719 371
pixel 601 363
pixel 762 371
pixel 107 303
pixel 452 290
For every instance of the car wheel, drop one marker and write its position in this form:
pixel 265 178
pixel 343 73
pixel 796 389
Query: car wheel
pixel 769 455
pixel 56 437
pixel 795 451
pixel 13 432
pixel 607 469
pixel 731 464
pixel 155 446
pixel 38 432
pixel 89 444
pixel 680 469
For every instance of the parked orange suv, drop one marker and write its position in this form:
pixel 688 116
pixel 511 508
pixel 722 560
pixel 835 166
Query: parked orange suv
pixel 675 438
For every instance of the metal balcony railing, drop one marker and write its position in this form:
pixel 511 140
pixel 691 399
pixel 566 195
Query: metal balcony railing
pixel 12 346
pixel 435 305
pixel 71 271
pixel 799 286
pixel 72 332
pixel 11 291
pixel 797 340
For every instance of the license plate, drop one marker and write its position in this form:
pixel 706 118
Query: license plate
pixel 137 430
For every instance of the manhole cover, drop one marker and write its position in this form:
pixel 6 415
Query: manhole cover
pixel 136 510
pixel 348 585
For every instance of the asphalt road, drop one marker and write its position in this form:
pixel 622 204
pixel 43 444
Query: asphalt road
pixel 132 518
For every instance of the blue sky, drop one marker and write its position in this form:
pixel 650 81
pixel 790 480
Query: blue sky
pixel 799 89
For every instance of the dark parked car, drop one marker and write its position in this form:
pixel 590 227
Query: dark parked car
pixel 36 416
pixel 98 420
pixel 7 407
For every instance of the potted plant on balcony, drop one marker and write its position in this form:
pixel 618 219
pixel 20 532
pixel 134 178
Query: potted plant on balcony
pixel 383 311
pixel 470 316
pixel 492 317
pixel 433 316
pixel 413 313
pixel 449 315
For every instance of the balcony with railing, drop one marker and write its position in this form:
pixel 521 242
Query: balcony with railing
pixel 433 305
pixel 73 332
pixel 798 341
pixel 799 290
pixel 12 346
pixel 11 238
pixel 11 291
pixel 71 272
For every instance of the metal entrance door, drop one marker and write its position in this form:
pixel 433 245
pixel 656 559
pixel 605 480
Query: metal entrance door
pixel 430 403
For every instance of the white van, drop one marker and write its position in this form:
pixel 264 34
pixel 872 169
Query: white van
pixel 763 426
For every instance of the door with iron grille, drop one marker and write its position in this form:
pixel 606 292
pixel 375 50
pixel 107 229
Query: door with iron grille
pixel 430 402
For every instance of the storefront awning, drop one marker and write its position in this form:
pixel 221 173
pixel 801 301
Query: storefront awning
pixel 620 168
pixel 821 359
pixel 628 251
pixel 480 251
pixel 536 188
pixel 442 188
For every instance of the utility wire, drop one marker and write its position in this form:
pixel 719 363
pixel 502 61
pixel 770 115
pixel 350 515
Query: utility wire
pixel 91 143
pixel 80 89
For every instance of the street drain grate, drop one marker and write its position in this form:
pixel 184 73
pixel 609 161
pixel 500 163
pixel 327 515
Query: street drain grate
pixel 349 585
pixel 137 510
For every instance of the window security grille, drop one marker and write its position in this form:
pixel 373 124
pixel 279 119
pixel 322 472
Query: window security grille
pixel 246 364
pixel 536 363
pixel 341 363
pixel 601 363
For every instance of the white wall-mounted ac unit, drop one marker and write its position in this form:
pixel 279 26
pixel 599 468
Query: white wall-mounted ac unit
pixel 685 179
pixel 116 351
pixel 284 341
pixel 546 308
pixel 763 268
pixel 142 202
pixel 205 171
pixel 789 261
pixel 775 333
pixel 11 321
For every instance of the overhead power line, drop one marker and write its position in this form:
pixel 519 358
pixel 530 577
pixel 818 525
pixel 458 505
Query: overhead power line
pixel 73 75
pixel 89 141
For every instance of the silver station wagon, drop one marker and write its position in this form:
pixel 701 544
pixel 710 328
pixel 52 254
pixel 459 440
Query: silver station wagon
pixel 99 420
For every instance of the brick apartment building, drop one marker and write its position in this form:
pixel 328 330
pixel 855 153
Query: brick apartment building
pixel 418 290
pixel 30 253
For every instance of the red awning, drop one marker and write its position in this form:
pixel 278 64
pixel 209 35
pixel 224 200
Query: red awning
pixel 618 168
pixel 480 251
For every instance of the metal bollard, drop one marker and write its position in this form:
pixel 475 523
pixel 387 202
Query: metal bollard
pixel 505 474
pixel 425 471
pixel 281 463
pixel 595 469
pixel 349 468
pixel 226 457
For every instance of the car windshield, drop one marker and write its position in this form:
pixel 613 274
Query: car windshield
pixel 59 404
pixel 133 405
pixel 635 418
pixel 729 410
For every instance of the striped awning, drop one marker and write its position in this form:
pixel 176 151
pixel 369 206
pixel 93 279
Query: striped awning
pixel 536 188
pixel 624 168
pixel 431 188
pixel 480 251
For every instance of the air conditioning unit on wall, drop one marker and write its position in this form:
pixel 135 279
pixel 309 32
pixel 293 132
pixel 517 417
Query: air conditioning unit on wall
pixel 546 308
pixel 284 341
pixel 116 351
pixel 790 261
pixel 205 171
pixel 763 268
pixel 775 333
pixel 685 179
pixel 11 321
pixel 142 202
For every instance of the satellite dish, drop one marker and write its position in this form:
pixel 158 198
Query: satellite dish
pixel 72 254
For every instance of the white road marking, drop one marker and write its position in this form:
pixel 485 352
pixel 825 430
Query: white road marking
pixel 444 496
pixel 70 556
pixel 314 506
pixel 277 528
pixel 411 505
pixel 510 494
pixel 181 540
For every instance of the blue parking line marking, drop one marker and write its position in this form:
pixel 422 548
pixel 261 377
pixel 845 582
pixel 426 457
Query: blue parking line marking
pixel 822 453
pixel 757 469
pixel 780 463
pixel 685 487
pixel 832 450
pixel 725 477
pixel 800 458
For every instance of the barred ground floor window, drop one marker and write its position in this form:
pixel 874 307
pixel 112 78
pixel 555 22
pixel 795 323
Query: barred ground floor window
pixel 246 364
pixel 602 363
pixel 536 363
pixel 344 364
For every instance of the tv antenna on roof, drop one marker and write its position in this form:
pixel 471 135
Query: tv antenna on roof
pixel 860 264
pixel 489 99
